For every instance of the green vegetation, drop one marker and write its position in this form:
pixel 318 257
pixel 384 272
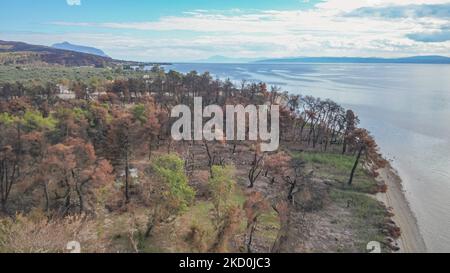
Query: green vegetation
pixel 33 120
pixel 222 185
pixel 139 113
pixel 268 226
pixel 24 74
pixel 198 219
pixel 337 167
pixel 170 168
pixel 7 119
pixel 369 216
pixel 18 57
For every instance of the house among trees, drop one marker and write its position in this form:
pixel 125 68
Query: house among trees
pixel 65 93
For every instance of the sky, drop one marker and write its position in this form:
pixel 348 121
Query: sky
pixel 190 30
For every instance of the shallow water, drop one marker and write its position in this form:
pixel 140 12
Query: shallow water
pixel 407 109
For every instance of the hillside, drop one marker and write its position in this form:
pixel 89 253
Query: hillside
pixel 80 48
pixel 23 53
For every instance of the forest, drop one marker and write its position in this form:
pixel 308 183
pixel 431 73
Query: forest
pixel 100 168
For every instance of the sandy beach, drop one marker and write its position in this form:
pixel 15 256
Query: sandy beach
pixel 411 241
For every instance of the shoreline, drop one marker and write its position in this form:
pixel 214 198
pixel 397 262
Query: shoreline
pixel 411 240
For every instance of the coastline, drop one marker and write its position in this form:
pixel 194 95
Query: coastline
pixel 411 240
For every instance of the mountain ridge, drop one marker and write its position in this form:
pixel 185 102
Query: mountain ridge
pixel 24 53
pixel 80 48
pixel 20 53
pixel 425 59
pixel 224 59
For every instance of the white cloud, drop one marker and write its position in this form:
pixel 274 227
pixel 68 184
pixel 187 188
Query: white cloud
pixel 73 2
pixel 349 5
pixel 324 30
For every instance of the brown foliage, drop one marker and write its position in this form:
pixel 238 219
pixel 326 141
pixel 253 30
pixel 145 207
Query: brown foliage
pixel 196 238
pixel 41 235
pixel 255 205
pixel 276 165
pixel 283 210
pixel 74 173
pixel 226 230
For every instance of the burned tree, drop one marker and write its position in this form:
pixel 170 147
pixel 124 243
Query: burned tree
pixel 254 207
pixel 256 167
pixel 294 176
pixel 363 143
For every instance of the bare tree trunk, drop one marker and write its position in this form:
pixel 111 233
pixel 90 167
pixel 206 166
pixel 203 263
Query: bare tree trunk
pixel 344 147
pixel 291 189
pixel 350 181
pixel 4 206
pixel 211 158
pixel 150 226
pixel 80 198
pixel 47 197
pixel 127 170
pixel 282 236
pixel 255 170
pixel 169 145
pixel 150 148
pixel 252 230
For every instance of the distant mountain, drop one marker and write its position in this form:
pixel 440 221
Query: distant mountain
pixel 23 53
pixel 80 48
pixel 407 60
pixel 223 59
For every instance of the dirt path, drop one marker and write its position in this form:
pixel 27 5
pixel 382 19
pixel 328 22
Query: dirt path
pixel 411 240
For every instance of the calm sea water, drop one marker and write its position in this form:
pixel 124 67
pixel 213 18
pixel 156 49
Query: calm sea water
pixel 407 109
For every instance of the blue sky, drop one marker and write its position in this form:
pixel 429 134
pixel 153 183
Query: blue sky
pixel 187 30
